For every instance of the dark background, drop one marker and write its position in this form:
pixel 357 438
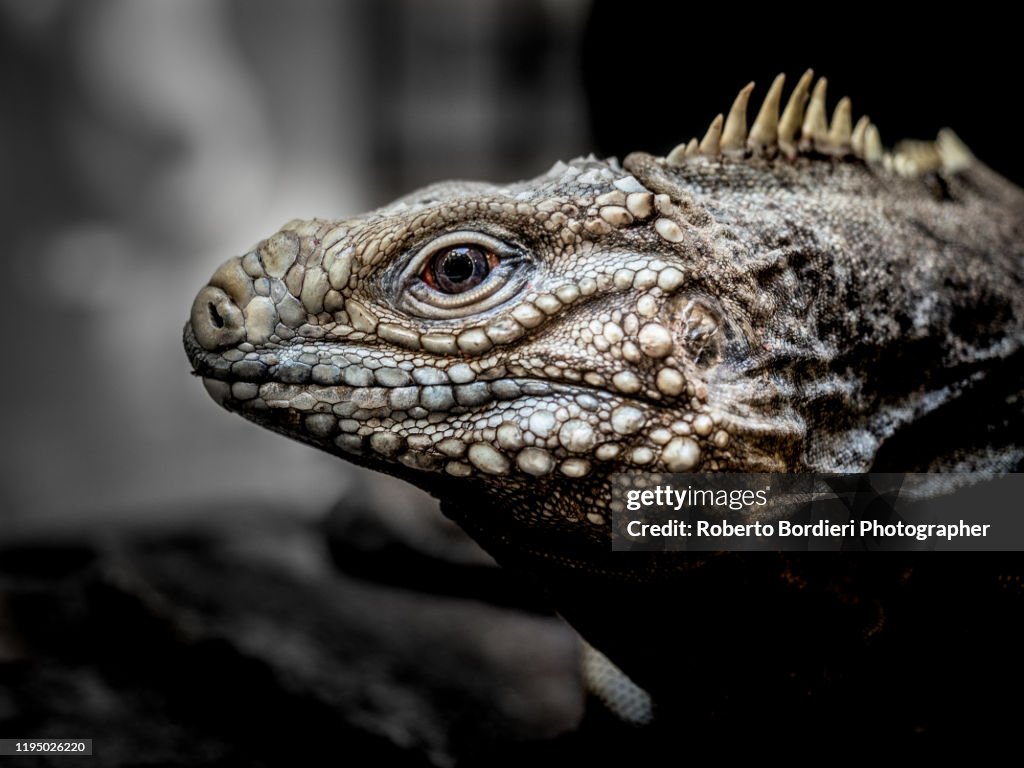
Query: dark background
pixel 663 73
pixel 144 141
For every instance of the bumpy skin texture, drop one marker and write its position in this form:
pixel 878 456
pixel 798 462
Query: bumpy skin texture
pixel 713 313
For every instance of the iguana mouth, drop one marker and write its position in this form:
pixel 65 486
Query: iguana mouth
pixel 438 422
pixel 445 392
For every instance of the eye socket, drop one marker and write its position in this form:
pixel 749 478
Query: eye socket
pixel 461 273
pixel 459 268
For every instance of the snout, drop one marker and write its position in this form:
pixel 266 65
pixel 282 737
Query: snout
pixel 247 296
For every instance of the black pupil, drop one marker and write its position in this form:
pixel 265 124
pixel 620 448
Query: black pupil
pixel 460 268
pixel 457 264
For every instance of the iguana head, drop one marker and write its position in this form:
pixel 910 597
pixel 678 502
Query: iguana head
pixel 543 327
pixel 595 319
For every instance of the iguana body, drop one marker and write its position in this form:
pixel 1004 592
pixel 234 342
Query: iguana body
pixel 784 299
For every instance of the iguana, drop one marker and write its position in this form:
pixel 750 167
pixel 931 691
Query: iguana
pixel 792 297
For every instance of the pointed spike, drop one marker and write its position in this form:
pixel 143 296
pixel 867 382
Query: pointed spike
pixel 954 153
pixel 693 147
pixel 765 130
pixel 677 155
pixel 734 134
pixel 872 144
pixel 839 133
pixel 815 128
pixel 709 145
pixel 857 137
pixel 793 115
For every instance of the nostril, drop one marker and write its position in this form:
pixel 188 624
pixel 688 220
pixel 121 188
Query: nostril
pixel 216 320
pixel 215 317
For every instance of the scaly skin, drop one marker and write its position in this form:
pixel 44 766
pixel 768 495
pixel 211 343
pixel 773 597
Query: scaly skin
pixel 744 311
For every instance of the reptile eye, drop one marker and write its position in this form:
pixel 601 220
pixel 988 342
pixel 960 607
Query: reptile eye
pixel 462 273
pixel 459 268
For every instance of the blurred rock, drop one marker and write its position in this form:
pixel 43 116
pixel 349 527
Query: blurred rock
pixel 241 646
